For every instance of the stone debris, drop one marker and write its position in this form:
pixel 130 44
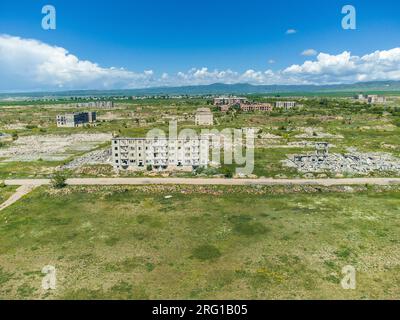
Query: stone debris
pixel 353 162
pixel 97 157
pixel 306 144
pixel 52 147
pixel 269 136
pixel 316 133
pixel 5 137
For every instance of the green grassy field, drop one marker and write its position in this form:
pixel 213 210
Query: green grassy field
pixel 203 243
pixel 5 192
pixel 368 128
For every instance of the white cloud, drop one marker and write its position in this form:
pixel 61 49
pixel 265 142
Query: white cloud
pixel 291 31
pixel 271 61
pixel 309 52
pixel 345 67
pixel 27 64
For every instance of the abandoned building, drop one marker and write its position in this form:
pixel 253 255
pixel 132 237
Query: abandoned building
pixel 228 101
pixel 204 117
pixel 371 99
pixel 76 119
pixel 160 153
pixel 256 107
pixel 97 104
pixel 286 105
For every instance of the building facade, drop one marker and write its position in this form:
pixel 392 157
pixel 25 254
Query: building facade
pixel 97 104
pixel 229 101
pixel 159 153
pixel 77 119
pixel 286 105
pixel 204 117
pixel 256 107
pixel 371 99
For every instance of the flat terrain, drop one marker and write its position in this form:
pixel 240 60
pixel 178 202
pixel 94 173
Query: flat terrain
pixel 208 181
pixel 39 147
pixel 202 242
pixel 6 192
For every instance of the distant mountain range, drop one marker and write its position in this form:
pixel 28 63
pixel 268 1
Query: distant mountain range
pixel 220 89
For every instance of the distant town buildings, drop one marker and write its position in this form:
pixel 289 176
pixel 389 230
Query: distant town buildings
pixel 371 99
pixel 229 101
pixel 159 153
pixel 76 119
pixel 286 105
pixel 256 107
pixel 204 117
pixel 97 104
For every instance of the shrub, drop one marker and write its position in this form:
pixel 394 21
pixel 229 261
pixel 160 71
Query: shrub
pixel 58 180
pixel 206 252
pixel 227 172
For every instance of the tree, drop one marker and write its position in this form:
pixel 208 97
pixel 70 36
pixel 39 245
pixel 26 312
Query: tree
pixel 59 180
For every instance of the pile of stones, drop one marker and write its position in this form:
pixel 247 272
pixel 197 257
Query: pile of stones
pixel 352 163
pixel 92 158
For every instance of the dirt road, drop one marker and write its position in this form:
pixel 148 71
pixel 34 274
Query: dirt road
pixel 19 193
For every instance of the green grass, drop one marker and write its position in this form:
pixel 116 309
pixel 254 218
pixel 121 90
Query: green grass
pixel 6 192
pixel 203 243
pixel 368 128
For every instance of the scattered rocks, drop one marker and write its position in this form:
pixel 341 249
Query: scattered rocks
pixel 91 158
pixel 352 163
pixel 51 147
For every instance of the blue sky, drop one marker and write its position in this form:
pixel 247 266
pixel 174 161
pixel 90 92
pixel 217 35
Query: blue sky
pixel 172 36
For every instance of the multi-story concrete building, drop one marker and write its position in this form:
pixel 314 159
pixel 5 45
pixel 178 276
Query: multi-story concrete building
pixel 371 99
pixel 160 153
pixel 286 105
pixel 204 117
pixel 256 107
pixel 375 99
pixel 76 119
pixel 229 101
pixel 97 104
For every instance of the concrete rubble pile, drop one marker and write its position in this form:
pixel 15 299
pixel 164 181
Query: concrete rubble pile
pixel 353 162
pixel 92 158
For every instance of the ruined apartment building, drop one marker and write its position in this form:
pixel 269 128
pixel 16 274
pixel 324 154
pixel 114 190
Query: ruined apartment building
pixel 256 107
pixel 286 105
pixel 204 117
pixel 77 119
pixel 159 153
pixel 97 104
pixel 229 101
pixel 371 99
